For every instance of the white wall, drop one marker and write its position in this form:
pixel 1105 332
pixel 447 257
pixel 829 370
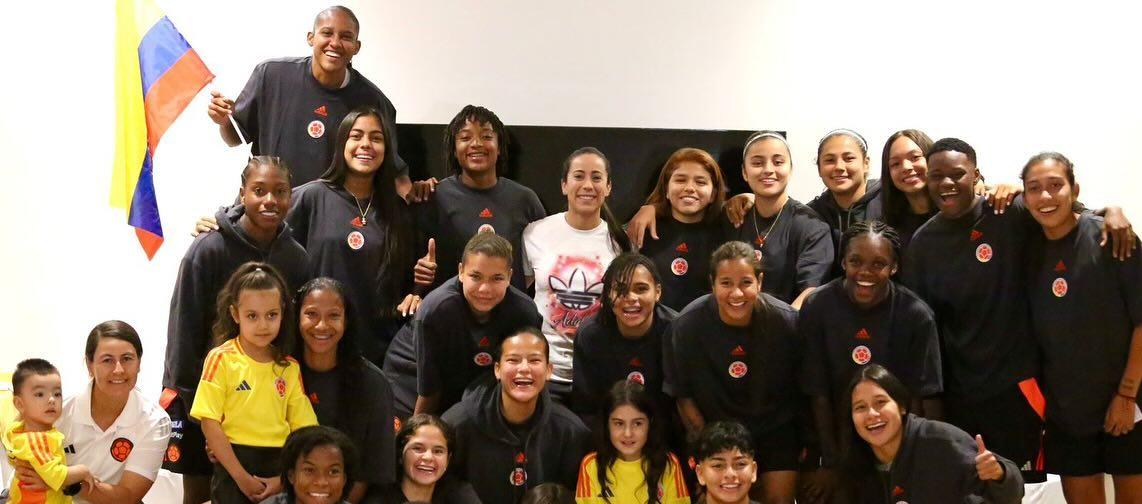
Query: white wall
pixel 1011 79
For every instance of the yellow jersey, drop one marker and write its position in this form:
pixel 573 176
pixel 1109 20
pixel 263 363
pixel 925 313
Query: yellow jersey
pixel 626 483
pixel 44 452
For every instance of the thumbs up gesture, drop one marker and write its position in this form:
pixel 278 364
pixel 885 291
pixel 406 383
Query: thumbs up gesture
pixel 425 271
pixel 986 464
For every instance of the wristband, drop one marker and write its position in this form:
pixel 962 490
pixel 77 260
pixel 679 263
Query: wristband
pixel 73 489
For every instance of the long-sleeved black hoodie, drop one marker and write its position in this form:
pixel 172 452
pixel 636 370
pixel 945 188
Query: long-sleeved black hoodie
pixel 501 465
pixel 869 206
pixel 208 263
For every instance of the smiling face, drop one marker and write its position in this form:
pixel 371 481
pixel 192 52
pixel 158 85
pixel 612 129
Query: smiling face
pixel 869 265
pixel 485 281
pixel 265 196
pixel 258 315
pixel 523 368
pixel 1051 197
pixel 634 311
pixel 334 41
pixel 114 368
pixel 736 288
pixel 689 191
pixel 951 178
pixel 39 401
pixel 322 321
pixel 877 419
pixel 842 165
pixel 477 148
pixel 365 147
pixel 587 184
pixel 727 476
pixel 766 167
pixel 318 477
pixel 425 456
pixel 907 166
pixel 628 428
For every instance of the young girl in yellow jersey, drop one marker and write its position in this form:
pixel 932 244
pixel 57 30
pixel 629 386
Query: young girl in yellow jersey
pixel 250 396
pixel 633 458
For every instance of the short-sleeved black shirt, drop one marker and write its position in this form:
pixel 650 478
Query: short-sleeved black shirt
pixel 682 256
pixel 285 112
pixel 797 252
pixel 1085 305
pixel 602 356
pixel 970 271
pixel 456 213
pixel 746 374
pixel 839 338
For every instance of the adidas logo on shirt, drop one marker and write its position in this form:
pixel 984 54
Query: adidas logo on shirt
pixel 243 387
pixel 486 213
pixel 1026 466
pixel 70 449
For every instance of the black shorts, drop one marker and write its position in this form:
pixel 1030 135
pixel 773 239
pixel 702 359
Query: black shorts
pixel 186 451
pixel 777 448
pixel 1098 453
pixel 256 460
pixel 1010 422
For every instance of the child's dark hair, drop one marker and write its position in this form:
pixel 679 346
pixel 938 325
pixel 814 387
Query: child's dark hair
pixel 952 145
pixel 408 429
pixel 28 368
pixel 114 329
pixel 525 330
pixel 857 456
pixel 398 258
pixel 271 161
pixel 255 276
pixel 872 228
pixel 480 116
pixel 349 359
pixel 488 244
pixel 617 283
pixel 548 493
pixel 895 203
pixel 657 197
pixel 618 236
pixel 654 453
pixel 304 440
pixel 1068 166
pixel 722 436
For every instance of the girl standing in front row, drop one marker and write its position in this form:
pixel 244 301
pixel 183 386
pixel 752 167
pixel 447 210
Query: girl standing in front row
pixel 250 396
pixel 566 254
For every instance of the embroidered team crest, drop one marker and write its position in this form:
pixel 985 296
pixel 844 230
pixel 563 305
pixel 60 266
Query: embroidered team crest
pixel 636 377
pixel 356 240
pixel 121 448
pixel 679 266
pixel 486 228
pixel 316 129
pixel 862 355
pixel 738 369
pixel 983 253
pixel 1059 287
pixel 280 385
pixel 482 359
pixel 518 477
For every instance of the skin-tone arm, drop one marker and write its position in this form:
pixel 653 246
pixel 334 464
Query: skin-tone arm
pixel 256 489
pixel 644 220
pixel 219 111
pixel 78 473
pixel 691 418
pixel 426 404
pixel 796 304
pixel 131 488
pixel 1117 228
pixel 737 207
pixel 1120 414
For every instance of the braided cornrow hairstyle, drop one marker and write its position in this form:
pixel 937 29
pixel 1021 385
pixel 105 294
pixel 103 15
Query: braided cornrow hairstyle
pixel 875 228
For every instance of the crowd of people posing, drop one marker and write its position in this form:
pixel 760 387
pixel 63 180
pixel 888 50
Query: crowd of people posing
pixel 923 337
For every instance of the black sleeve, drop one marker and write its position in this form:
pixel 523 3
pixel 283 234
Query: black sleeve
pixel 535 210
pixel 815 376
pixel 582 390
pixel 1009 490
pixel 298 215
pixel 430 346
pixel 246 106
pixel 815 256
pixel 924 354
pixel 577 448
pixel 1130 282
pixel 188 328
pixel 677 373
pixel 912 275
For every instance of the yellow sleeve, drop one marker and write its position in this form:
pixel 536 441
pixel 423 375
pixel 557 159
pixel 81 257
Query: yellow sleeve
pixel 674 483
pixel 210 396
pixel 299 411
pixel 587 490
pixel 44 452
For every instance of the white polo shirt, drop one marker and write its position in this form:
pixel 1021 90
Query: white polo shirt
pixel 136 442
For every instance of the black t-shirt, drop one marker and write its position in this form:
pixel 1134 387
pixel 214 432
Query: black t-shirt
pixel 746 374
pixel 452 348
pixel 368 419
pixel 602 356
pixel 285 112
pixel 325 221
pixel 970 271
pixel 840 338
pixel 797 252
pixel 682 256
pixel 909 223
pixel 448 490
pixel 1085 306
pixel 456 213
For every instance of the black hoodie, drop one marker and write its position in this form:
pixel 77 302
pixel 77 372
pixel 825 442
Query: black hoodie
pixel 868 207
pixel 936 465
pixel 208 263
pixel 498 463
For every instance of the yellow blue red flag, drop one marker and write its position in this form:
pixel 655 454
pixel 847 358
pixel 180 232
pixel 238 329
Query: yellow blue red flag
pixel 157 73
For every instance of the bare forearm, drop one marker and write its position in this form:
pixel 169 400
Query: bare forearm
pixel 691 418
pixel 426 404
pixel 1132 376
pixel 826 428
pixel 228 134
pixel 796 304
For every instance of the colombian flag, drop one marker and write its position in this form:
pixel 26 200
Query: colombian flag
pixel 156 75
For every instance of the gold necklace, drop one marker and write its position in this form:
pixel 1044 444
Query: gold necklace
pixel 760 238
pixel 370 205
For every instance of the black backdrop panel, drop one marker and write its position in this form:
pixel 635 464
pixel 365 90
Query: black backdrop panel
pixel 536 155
